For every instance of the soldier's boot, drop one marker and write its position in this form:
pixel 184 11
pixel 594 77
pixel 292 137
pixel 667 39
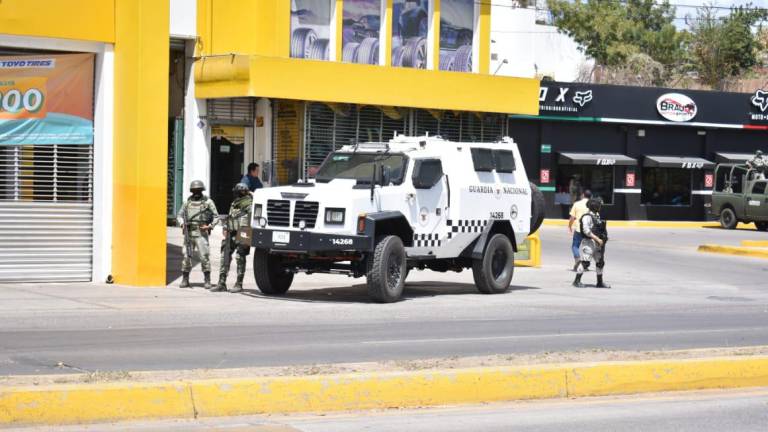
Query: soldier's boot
pixel 600 283
pixel 222 285
pixel 577 282
pixel 207 283
pixel 238 285
pixel 184 280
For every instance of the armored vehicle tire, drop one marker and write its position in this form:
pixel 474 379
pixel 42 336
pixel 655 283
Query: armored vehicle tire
pixel 270 275
pixel 537 208
pixel 762 226
pixel 728 218
pixel 387 270
pixel 493 272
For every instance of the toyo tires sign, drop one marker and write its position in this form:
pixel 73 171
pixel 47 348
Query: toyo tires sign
pixel 676 107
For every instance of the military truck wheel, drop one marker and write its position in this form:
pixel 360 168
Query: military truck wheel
pixel 493 272
pixel 387 270
pixel 762 226
pixel 271 277
pixel 537 208
pixel 728 218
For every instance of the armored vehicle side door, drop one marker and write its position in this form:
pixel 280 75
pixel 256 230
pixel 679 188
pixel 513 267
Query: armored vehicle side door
pixel 757 201
pixel 427 208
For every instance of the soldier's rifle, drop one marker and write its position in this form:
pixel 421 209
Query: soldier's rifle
pixel 186 232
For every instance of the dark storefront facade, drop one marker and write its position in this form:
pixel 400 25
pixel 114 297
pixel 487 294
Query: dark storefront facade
pixel 649 153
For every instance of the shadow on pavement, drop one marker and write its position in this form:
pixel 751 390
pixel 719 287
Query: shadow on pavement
pixel 174 255
pixel 357 293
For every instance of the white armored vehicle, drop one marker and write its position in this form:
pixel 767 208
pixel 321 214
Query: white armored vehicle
pixel 381 209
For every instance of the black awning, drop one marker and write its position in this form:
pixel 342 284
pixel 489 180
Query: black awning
pixel 737 158
pixel 595 159
pixel 677 162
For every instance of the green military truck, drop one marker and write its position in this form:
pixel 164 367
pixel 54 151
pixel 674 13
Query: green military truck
pixel 740 195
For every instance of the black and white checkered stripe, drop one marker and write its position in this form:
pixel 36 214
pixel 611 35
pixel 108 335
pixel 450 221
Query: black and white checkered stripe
pixel 426 240
pixel 466 226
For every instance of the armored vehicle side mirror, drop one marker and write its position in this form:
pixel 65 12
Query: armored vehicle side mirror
pixel 427 173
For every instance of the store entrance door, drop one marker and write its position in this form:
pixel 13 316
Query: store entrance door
pixel 227 160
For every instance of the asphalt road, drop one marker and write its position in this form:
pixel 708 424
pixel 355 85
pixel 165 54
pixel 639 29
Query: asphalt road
pixel 743 411
pixel 665 295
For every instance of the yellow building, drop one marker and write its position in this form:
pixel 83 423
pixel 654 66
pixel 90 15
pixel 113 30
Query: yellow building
pixel 189 89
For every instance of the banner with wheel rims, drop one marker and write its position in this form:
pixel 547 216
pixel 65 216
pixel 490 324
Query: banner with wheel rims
pixel 311 29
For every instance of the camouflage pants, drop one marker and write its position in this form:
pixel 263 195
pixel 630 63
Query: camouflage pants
pixel 200 245
pixel 226 258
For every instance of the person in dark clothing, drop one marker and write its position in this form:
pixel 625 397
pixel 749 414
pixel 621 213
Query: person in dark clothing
pixel 252 178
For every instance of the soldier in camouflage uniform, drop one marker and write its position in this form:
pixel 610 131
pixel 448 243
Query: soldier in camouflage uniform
pixel 239 215
pixel 197 217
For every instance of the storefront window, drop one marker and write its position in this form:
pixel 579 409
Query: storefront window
pixel 572 180
pixel 310 29
pixel 457 21
pixel 666 186
pixel 360 34
pixel 410 23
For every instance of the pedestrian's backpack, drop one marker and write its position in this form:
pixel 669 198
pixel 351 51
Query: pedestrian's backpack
pixel 599 226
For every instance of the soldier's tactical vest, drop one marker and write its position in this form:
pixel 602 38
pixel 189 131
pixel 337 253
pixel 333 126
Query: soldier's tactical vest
pixel 239 213
pixel 198 213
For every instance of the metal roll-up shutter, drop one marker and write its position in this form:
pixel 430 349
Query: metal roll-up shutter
pixel 370 124
pixel 319 130
pixel 493 127
pixel 450 126
pixel 286 141
pixel 231 111
pixel 46 213
pixel 426 123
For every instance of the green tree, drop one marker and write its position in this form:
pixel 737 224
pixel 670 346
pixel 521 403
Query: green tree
pixel 723 47
pixel 610 31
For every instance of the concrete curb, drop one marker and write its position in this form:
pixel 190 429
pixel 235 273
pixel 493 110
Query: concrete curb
pixel 652 224
pixel 735 250
pixel 84 403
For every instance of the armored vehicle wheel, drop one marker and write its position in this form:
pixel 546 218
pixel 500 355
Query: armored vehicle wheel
pixel 728 219
pixel 537 208
pixel 387 270
pixel 762 226
pixel 493 272
pixel 270 275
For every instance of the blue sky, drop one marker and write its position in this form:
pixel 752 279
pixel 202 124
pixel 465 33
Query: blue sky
pixel 682 10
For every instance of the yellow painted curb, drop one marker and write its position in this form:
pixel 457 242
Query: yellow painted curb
pixel 754 243
pixel 273 395
pixel 735 250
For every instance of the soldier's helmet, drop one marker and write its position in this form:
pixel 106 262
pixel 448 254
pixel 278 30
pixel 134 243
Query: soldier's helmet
pixel 196 185
pixel 240 187
pixel 595 204
pixel 759 153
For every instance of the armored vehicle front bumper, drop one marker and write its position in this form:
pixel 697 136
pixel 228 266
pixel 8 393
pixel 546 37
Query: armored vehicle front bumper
pixel 303 241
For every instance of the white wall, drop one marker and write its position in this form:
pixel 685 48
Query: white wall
pixel 197 135
pixel 530 49
pixel 183 19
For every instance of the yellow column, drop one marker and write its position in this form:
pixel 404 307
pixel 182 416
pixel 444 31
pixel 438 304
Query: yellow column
pixel 339 27
pixel 141 142
pixel 436 35
pixel 387 36
pixel 484 38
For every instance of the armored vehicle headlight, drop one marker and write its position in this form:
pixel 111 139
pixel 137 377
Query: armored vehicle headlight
pixel 334 216
pixel 257 211
pixel 302 224
pixel 262 222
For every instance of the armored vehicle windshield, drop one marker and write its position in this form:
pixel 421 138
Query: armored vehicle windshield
pixel 359 166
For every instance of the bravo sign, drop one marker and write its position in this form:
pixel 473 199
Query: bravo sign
pixel 676 107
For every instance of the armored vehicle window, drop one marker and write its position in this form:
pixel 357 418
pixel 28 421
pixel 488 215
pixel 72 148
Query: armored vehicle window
pixel 482 159
pixel 359 166
pixel 504 160
pixel 758 188
pixel 426 173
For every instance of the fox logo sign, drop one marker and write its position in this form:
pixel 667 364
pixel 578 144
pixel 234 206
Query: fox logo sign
pixel 582 98
pixel 760 100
